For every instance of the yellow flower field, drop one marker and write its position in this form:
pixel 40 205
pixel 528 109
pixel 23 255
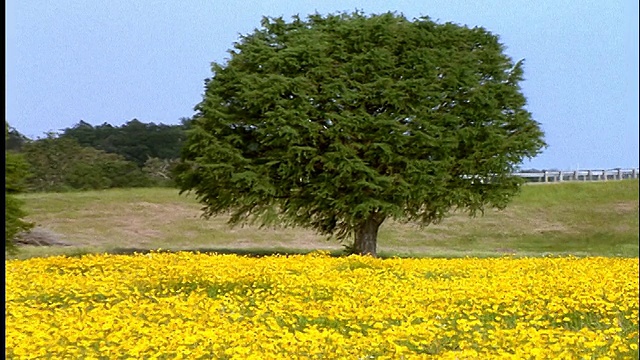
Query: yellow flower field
pixel 203 306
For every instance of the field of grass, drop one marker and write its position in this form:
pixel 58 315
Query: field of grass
pixel 582 219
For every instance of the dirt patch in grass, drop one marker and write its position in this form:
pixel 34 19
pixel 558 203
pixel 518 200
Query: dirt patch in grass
pixel 40 236
pixel 626 207
pixel 512 221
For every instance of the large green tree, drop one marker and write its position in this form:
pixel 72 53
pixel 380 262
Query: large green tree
pixel 339 122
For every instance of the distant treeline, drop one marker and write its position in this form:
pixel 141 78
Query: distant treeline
pixel 85 157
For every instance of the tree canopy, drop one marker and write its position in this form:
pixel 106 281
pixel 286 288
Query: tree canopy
pixel 339 122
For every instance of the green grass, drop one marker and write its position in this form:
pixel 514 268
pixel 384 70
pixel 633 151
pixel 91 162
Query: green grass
pixel 579 218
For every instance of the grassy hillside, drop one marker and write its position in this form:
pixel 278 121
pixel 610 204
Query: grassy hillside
pixel 592 218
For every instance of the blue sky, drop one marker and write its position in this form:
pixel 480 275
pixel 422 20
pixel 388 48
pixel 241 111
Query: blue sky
pixel 112 61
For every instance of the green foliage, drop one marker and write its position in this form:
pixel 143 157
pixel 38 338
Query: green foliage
pixel 16 171
pixel 338 121
pixel 14 140
pixel 60 164
pixel 135 141
pixel 14 222
pixel 86 157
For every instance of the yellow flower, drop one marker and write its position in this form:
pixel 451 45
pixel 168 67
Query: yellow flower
pixel 168 305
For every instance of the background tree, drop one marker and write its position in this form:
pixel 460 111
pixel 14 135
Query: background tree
pixel 339 122
pixel 16 172
pixel 160 171
pixel 60 164
pixel 135 141
pixel 14 139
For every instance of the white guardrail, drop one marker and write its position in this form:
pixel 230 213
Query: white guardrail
pixel 579 175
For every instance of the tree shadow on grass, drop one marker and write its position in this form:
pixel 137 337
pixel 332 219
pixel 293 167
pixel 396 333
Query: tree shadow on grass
pixel 77 252
pixel 227 251
pixel 250 252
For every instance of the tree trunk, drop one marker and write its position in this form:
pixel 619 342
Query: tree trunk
pixel 366 235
